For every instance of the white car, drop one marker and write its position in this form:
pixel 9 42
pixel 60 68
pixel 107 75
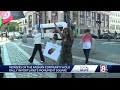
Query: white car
pixel 17 35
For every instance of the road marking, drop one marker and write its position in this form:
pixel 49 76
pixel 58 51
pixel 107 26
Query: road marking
pixel 108 42
pixel 7 62
pixel 96 61
pixel 50 75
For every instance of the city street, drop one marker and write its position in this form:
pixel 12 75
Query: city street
pixel 105 50
pixel 18 53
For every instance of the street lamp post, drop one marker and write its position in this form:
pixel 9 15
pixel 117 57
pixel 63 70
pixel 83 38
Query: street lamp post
pixel 99 25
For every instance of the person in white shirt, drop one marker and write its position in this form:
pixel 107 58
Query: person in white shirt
pixel 87 44
pixel 37 46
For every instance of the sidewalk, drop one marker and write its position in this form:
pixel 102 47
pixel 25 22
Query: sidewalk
pixel 13 56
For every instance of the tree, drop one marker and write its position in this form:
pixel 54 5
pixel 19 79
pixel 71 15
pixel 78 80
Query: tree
pixel 13 26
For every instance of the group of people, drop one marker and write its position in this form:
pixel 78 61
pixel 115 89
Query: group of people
pixel 66 50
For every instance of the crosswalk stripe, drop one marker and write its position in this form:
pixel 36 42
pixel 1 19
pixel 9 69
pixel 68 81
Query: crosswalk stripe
pixel 7 62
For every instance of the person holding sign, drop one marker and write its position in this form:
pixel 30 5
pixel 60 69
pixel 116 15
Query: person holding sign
pixel 37 46
pixel 66 54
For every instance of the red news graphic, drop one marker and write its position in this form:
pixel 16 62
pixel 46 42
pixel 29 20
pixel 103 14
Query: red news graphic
pixel 103 68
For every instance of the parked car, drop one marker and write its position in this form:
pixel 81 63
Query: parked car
pixel 17 35
pixel 94 36
pixel 105 36
pixel 118 36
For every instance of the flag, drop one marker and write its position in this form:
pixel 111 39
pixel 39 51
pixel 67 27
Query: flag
pixel 7 16
pixel 0 21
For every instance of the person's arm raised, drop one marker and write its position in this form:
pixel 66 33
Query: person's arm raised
pixel 58 30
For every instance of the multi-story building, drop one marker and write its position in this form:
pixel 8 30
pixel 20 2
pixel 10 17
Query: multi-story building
pixel 87 19
pixel 22 25
pixel 31 19
pixel 114 21
pixel 82 19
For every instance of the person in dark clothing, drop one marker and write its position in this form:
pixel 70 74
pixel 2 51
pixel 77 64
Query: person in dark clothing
pixel 67 42
pixel 115 35
pixel 6 35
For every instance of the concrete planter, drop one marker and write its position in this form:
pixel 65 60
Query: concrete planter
pixel 12 37
pixel 24 38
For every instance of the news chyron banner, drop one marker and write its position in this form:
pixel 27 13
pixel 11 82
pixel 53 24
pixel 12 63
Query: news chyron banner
pixel 57 68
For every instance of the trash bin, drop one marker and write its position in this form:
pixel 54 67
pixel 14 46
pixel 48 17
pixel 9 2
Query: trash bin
pixel 24 38
pixel 93 50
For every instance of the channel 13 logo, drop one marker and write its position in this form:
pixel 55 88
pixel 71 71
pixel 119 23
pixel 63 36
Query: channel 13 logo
pixel 103 68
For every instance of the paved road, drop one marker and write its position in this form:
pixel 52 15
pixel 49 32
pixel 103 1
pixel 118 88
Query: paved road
pixel 105 50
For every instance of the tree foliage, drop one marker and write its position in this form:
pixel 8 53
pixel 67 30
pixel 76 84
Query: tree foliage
pixel 12 26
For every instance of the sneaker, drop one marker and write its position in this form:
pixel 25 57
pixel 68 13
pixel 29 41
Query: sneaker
pixel 42 61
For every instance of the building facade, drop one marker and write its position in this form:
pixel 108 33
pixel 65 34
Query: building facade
pixel 114 21
pixel 31 19
pixel 82 19
pixel 88 19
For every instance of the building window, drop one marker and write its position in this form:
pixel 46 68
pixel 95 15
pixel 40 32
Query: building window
pixel 82 21
pixel 30 21
pixel 54 16
pixel 117 27
pixel 93 19
pixel 25 29
pixel 25 20
pixel 75 17
pixel 37 17
pixel 88 18
pixel 82 18
pixel 107 21
pixel 112 27
pixel 41 14
pixel 20 29
pixel 98 17
pixel 82 14
pixel 103 20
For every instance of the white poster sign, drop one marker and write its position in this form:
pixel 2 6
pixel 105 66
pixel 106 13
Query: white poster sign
pixel 52 51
